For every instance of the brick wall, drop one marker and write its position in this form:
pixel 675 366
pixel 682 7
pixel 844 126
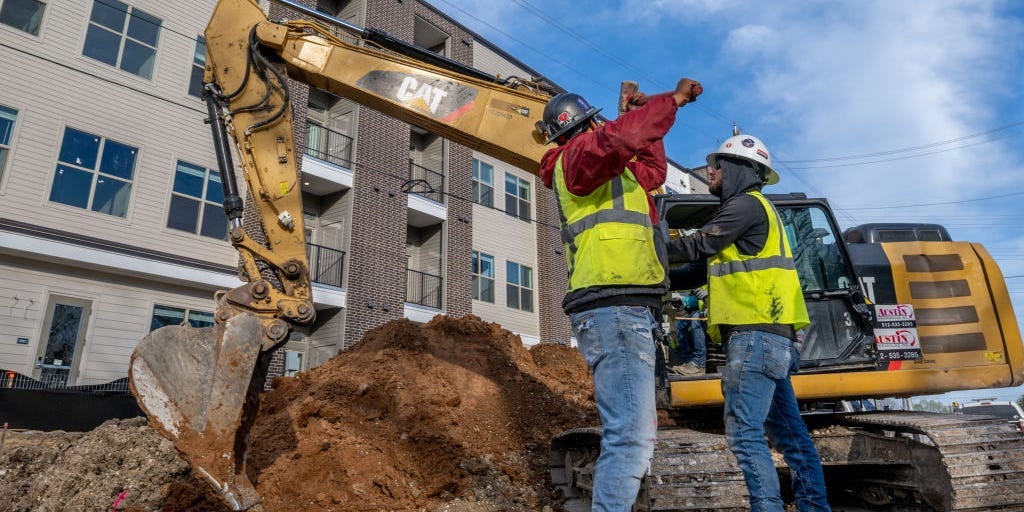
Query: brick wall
pixel 552 278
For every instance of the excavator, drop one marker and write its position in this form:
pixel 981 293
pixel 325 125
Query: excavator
pixel 200 387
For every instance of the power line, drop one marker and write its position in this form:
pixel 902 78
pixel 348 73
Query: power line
pixel 883 160
pixel 909 148
pixel 1012 194
pixel 104 79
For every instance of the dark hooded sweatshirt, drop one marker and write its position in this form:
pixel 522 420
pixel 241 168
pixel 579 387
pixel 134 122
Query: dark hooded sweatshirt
pixel 591 159
pixel 740 220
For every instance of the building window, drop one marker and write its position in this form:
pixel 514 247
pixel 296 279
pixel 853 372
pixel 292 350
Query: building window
pixel 167 315
pixel 7 118
pixel 122 36
pixel 197 200
pixel 292 362
pixel 94 173
pixel 517 197
pixel 25 15
pixel 519 289
pixel 483 277
pixel 483 183
pixel 195 82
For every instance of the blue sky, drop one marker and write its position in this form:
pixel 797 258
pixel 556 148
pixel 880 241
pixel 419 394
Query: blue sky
pixel 895 110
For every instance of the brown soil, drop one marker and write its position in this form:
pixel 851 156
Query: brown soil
pixel 451 416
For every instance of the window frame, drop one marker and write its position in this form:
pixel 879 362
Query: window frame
pixel 197 66
pixel 479 184
pixel 520 202
pixel 186 316
pixel 517 288
pixel 478 275
pixel 8 147
pixel 95 172
pixel 203 201
pixel 42 20
pixel 124 36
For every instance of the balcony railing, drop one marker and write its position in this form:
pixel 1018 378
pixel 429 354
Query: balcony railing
pixel 328 145
pixel 434 187
pixel 325 264
pixel 422 288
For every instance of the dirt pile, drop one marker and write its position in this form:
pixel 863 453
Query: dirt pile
pixel 451 416
pixel 61 471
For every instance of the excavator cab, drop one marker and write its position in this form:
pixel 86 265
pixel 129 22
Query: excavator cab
pixel 840 332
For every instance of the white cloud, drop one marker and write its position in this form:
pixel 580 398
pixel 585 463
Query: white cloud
pixel 748 41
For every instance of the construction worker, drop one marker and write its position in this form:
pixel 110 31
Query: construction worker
pixel 601 174
pixel 757 305
pixel 690 355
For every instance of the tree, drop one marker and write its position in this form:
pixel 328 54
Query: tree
pixel 931 406
pixel 1020 401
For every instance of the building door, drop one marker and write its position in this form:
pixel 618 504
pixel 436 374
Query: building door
pixel 64 330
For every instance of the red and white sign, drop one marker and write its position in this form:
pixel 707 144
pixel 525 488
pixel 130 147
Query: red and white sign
pixel 894 313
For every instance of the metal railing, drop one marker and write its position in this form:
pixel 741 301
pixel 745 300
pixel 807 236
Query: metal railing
pixel 326 265
pixel 328 145
pixel 14 380
pixel 422 288
pixel 433 188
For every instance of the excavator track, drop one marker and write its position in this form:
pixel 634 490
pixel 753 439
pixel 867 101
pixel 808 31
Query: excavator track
pixel 691 471
pixel 903 461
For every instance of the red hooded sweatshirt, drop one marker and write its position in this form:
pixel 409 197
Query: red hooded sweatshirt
pixel 634 140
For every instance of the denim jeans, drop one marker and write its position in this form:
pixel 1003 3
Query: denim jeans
pixel 690 340
pixel 759 399
pixel 618 345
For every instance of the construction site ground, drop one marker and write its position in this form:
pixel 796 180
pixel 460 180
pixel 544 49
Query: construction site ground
pixel 451 416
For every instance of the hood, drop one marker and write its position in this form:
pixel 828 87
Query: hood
pixel 737 179
pixel 547 165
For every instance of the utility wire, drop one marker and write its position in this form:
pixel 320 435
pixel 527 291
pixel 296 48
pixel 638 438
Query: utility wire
pixel 883 160
pixel 104 79
pixel 1012 194
pixel 909 148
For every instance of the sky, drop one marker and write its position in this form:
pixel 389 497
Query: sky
pixel 894 110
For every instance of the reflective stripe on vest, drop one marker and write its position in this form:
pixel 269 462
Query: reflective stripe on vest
pixel 613 226
pixel 760 289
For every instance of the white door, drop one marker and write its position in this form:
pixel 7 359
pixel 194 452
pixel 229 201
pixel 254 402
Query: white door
pixel 63 333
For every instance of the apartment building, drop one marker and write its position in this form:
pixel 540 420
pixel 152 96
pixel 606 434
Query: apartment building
pixel 110 215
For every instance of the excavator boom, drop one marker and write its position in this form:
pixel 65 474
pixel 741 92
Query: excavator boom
pixel 200 387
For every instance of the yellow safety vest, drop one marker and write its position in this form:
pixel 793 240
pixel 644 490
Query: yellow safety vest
pixel 759 289
pixel 608 235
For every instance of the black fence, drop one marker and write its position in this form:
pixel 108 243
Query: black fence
pixel 431 183
pixel 328 145
pixel 423 288
pixel 27 403
pixel 326 265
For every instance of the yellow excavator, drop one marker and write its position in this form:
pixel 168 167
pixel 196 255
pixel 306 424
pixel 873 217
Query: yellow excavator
pixel 199 387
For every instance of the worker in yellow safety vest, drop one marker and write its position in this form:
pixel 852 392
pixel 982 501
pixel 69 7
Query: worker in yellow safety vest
pixel 756 306
pixel 602 174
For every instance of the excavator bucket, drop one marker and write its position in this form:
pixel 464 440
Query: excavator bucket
pixel 199 388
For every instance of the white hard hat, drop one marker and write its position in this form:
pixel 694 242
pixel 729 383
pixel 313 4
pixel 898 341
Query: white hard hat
pixel 751 149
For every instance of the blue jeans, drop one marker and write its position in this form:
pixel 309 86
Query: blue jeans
pixel 618 345
pixel 690 339
pixel 759 399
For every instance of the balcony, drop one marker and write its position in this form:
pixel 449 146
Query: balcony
pixel 325 264
pixel 330 168
pixel 430 183
pixel 422 288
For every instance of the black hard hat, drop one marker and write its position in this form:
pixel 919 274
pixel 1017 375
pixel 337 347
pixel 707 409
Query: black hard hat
pixel 564 112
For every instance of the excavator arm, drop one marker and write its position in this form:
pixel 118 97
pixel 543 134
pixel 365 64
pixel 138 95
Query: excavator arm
pixel 200 387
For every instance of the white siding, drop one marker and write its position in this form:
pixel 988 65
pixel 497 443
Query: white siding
pixel 506 238
pixel 58 87
pixel 121 309
pixel 490 61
